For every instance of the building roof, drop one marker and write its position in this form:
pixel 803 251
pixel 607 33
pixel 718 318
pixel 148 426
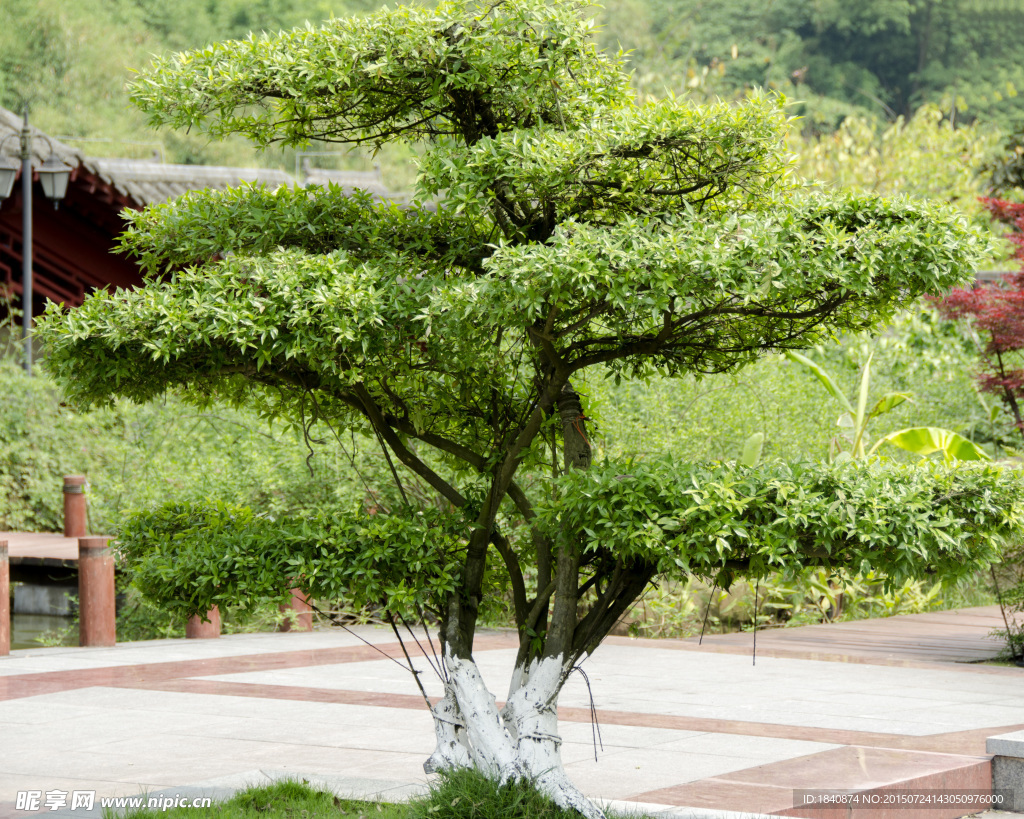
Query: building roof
pixel 42 145
pixel 348 180
pixel 145 182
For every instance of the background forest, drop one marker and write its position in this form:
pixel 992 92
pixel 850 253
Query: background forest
pixel 871 58
pixel 919 97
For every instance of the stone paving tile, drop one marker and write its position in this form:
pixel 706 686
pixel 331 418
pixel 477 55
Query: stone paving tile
pixel 1011 702
pixel 969 715
pixel 627 736
pixel 35 660
pixel 402 767
pixel 321 703
pixel 96 727
pixel 41 766
pixel 767 749
pixel 415 737
pixel 622 775
pixel 32 711
pixel 855 710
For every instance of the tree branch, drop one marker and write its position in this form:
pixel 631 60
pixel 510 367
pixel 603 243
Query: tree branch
pixel 405 455
pixel 515 574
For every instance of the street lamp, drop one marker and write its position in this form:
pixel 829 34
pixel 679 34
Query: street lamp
pixel 54 176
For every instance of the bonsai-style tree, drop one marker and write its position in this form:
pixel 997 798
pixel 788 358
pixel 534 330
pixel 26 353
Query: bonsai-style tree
pixel 561 229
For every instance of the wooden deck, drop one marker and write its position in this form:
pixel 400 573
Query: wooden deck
pixel 35 549
pixel 959 636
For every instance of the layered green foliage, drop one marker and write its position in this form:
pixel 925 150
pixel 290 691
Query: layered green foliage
pixel 711 521
pixel 705 519
pixel 191 557
pixel 721 290
pixel 570 230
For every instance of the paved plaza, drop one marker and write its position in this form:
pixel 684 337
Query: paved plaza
pixel 682 726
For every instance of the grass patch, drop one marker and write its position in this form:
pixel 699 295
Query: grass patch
pixel 455 795
pixel 467 794
pixel 1003 661
pixel 282 800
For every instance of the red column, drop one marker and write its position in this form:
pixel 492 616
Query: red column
pixel 5 601
pixel 76 522
pixel 300 605
pixel 198 629
pixel 96 608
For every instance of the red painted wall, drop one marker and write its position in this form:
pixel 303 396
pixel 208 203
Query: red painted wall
pixel 73 247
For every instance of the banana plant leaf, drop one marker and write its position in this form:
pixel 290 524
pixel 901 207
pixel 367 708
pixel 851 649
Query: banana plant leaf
pixel 924 441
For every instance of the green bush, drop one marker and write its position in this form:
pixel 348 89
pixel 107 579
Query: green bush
pixel 189 557
pixel 1008 584
pixel 709 418
pixel 142 456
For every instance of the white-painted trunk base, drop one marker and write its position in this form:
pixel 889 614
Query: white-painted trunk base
pixel 520 742
pixel 452 749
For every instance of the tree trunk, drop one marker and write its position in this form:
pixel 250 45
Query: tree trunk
pixel 575 446
pixel 519 742
pixel 1009 397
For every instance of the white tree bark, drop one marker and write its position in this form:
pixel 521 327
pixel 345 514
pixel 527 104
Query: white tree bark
pixel 452 749
pixel 520 742
pixel 489 743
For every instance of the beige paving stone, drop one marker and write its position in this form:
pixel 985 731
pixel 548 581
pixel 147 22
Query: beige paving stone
pixel 281 718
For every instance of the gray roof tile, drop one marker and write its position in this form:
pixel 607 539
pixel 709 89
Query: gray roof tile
pixel 148 182
pixel 42 145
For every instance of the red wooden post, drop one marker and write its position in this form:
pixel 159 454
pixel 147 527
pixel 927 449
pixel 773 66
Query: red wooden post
pixel 76 521
pixel 97 624
pixel 300 605
pixel 198 629
pixel 5 601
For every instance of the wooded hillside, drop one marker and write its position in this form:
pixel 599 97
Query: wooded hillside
pixel 882 58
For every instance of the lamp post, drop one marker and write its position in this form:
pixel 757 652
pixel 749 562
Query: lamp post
pixel 54 176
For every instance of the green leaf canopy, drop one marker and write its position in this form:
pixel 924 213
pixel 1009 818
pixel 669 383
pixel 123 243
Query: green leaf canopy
pixel 559 226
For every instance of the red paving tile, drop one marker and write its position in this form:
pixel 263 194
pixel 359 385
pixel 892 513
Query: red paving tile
pixel 15 686
pixel 853 767
pixel 284 692
pixel 877 771
pixel 867 759
pixel 961 636
pixel 957 742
